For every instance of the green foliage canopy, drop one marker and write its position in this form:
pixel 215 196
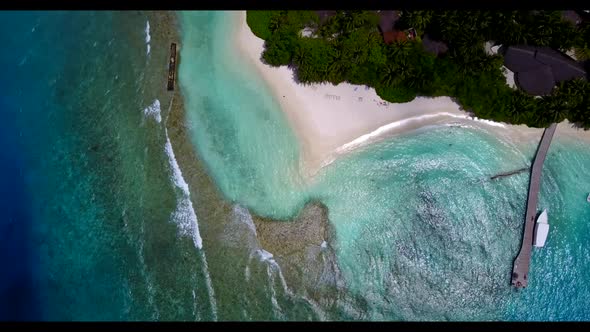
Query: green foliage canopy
pixel 348 47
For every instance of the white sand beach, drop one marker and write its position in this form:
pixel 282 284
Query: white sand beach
pixel 330 120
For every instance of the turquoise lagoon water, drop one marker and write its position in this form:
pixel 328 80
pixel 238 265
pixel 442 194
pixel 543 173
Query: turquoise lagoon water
pixel 253 154
pixel 422 231
pixel 98 222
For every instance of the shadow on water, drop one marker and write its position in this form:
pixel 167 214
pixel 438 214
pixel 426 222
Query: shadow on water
pixel 18 295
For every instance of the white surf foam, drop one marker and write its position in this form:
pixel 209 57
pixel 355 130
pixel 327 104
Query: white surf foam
pixel 265 256
pixel 212 301
pixel 147 32
pixel 244 216
pixel 147 36
pixel 273 297
pixel 153 111
pixel 184 215
pixel 383 129
pixel 247 273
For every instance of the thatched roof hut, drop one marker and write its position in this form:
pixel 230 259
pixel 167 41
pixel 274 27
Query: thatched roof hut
pixel 394 36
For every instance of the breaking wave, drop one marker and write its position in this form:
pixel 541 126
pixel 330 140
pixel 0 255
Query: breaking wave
pixel 147 36
pixel 184 215
pixel 153 111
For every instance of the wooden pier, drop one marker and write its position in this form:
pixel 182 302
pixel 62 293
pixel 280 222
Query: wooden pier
pixel 172 67
pixel 520 269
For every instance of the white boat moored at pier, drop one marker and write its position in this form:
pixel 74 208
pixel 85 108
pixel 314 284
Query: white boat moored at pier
pixel 541 230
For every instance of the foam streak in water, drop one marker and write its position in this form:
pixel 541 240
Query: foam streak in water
pixel 210 290
pixel 147 36
pixel 153 111
pixel 244 216
pixel 184 214
pixel 265 255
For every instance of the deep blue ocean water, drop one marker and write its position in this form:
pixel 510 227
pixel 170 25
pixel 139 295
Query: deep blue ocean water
pixel 88 188
pixel 19 287
pixel 18 293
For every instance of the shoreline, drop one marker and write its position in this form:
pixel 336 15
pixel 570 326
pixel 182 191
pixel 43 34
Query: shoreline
pixel 289 242
pixel 294 244
pixel 330 121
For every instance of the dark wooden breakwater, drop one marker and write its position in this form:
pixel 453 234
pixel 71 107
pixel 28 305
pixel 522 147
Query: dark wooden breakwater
pixel 520 269
pixel 503 175
pixel 172 67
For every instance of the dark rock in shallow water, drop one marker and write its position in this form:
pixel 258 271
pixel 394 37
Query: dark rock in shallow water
pixel 304 249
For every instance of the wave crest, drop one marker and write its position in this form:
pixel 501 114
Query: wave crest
pixel 184 215
pixel 153 111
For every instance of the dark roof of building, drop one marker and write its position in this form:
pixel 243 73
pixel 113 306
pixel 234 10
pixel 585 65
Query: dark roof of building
pixel 537 69
pixel 394 36
pixel 325 15
pixel 520 58
pixel 571 16
pixel 564 68
pixel 387 19
pixel 538 81
pixel 433 46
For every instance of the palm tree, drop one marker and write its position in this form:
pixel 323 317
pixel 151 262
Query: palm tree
pixel 557 115
pixel 336 70
pixel 486 20
pixel 417 79
pixel 359 18
pixel 404 69
pixel 301 55
pixel 417 19
pixel 373 36
pixel 346 23
pixel 389 75
pixel 275 23
pixel 398 50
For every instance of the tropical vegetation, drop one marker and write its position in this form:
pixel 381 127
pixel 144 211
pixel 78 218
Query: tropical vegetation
pixel 348 47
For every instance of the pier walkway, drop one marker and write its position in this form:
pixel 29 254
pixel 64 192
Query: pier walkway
pixel 520 269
